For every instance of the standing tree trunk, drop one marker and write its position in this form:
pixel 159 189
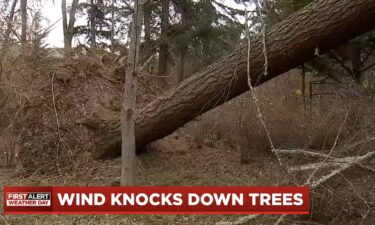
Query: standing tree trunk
pixel 23 7
pixel 9 29
pixel 181 65
pixel 113 26
pixel 146 49
pixel 321 26
pixel 65 26
pixel 182 49
pixel 163 46
pixel 128 104
pixel 68 27
pixel 92 24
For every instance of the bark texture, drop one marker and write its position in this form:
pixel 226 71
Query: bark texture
pixel 317 28
pixel 68 27
pixel 23 8
pixel 92 24
pixel 163 46
pixel 128 107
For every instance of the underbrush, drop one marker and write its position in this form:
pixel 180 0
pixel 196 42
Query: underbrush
pixel 46 107
pixel 337 126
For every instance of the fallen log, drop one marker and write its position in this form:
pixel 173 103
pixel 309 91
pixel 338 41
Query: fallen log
pixel 317 28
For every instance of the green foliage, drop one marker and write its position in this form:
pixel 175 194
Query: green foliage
pixel 122 15
pixel 277 10
pixel 205 30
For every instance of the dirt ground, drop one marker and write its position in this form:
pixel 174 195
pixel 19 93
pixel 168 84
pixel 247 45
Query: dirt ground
pixel 173 161
pixel 176 160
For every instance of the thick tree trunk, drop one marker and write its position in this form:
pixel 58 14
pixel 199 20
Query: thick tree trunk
pixel 319 27
pixel 163 47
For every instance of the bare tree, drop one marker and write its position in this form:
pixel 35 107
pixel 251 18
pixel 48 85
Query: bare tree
pixel 128 147
pixel 68 26
pixel 9 28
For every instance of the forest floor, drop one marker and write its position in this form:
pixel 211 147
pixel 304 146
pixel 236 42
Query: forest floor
pixel 175 160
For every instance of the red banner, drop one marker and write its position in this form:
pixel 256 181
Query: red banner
pixel 156 200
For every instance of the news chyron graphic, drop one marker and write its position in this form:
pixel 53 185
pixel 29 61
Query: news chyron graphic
pixel 28 199
pixel 156 200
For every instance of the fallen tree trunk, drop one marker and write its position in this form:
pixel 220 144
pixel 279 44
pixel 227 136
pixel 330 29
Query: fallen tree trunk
pixel 317 28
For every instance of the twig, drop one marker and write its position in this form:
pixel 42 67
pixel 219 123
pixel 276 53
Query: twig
pixel 263 37
pixel 359 143
pixel 246 219
pixel 54 104
pixel 348 162
pixel 156 76
pixel 333 162
pixel 255 99
pixel 57 120
pixel 300 151
pixel 312 166
pixel 146 63
pixel 367 67
pixel 330 152
pixel 355 161
pixel 240 221
pixel 341 63
pixel 360 196
pixel 360 165
pixel 368 55
pixel 281 219
pixel 5 221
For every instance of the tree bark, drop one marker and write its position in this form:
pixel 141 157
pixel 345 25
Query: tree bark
pixel 113 26
pixel 146 49
pixel 319 27
pixel 23 7
pixel 182 49
pixel 181 66
pixel 68 27
pixel 92 24
pixel 128 104
pixel 163 47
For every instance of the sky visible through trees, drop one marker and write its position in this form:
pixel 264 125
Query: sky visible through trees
pixel 51 10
